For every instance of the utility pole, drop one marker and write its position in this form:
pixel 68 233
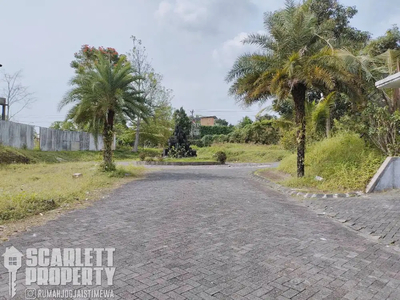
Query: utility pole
pixel 3 103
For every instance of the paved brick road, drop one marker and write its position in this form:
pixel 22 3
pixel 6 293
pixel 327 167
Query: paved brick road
pixel 377 215
pixel 214 233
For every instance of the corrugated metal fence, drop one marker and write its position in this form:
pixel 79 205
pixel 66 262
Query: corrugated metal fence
pixel 22 136
pixel 17 135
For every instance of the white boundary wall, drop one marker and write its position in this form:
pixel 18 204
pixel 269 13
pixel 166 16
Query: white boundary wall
pixel 17 135
pixel 59 140
pixel 387 177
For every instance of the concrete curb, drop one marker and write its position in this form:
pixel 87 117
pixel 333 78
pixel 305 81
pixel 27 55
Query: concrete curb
pixel 303 194
pixel 167 163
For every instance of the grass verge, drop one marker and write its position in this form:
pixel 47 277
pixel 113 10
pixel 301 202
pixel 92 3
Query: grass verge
pixel 344 162
pixel 244 153
pixel 32 189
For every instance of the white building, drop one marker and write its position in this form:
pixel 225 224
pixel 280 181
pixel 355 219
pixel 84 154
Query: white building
pixel 390 82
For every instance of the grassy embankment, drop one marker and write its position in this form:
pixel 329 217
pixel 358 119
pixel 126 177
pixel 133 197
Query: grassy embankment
pixel 344 162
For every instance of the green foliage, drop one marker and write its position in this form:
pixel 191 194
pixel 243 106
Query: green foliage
pixel 178 151
pixel 107 167
pixel 151 152
pixel 244 122
pixel 391 40
pixel 345 162
pixel 182 120
pixel 26 191
pixel 221 122
pixel 103 93
pixel 142 156
pixel 336 18
pixel 288 140
pixel 158 129
pixel 207 140
pixel 220 156
pixel 149 159
pixel 244 152
pixel 64 125
pixel 260 132
pixel 384 129
pixel 87 57
pixel 296 57
pixel 215 130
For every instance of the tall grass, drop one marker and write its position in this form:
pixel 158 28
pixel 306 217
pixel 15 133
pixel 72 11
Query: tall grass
pixel 345 162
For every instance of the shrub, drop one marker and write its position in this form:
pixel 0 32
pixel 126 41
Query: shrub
pixel 197 143
pixel 151 152
pixel 142 156
pixel 288 140
pixel 220 156
pixel 149 159
pixel 207 140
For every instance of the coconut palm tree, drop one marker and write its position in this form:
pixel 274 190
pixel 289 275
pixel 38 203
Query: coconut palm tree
pixel 295 56
pixel 101 95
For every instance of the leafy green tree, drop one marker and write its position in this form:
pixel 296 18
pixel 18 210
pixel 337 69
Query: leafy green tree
pixel 101 94
pixel 87 56
pixel 221 122
pixel 336 17
pixel 64 125
pixel 390 41
pixel 294 57
pixel 159 127
pixel 182 120
pixel 244 122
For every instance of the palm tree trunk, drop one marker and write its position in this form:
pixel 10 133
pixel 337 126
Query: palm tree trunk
pixel 108 136
pixel 299 97
pixel 137 135
pixel 328 124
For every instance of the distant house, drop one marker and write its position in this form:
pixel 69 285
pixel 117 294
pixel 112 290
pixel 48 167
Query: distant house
pixel 208 121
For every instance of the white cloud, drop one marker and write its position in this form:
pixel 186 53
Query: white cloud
pixel 205 16
pixel 226 55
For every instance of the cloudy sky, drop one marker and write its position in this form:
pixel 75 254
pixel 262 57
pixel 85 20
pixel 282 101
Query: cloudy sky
pixel 192 43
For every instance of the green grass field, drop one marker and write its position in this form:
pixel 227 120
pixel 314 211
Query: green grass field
pixel 244 153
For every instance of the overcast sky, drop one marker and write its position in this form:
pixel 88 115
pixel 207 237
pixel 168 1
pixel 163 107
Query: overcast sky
pixel 192 43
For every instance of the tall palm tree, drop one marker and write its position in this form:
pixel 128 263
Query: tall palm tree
pixel 101 95
pixel 295 56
